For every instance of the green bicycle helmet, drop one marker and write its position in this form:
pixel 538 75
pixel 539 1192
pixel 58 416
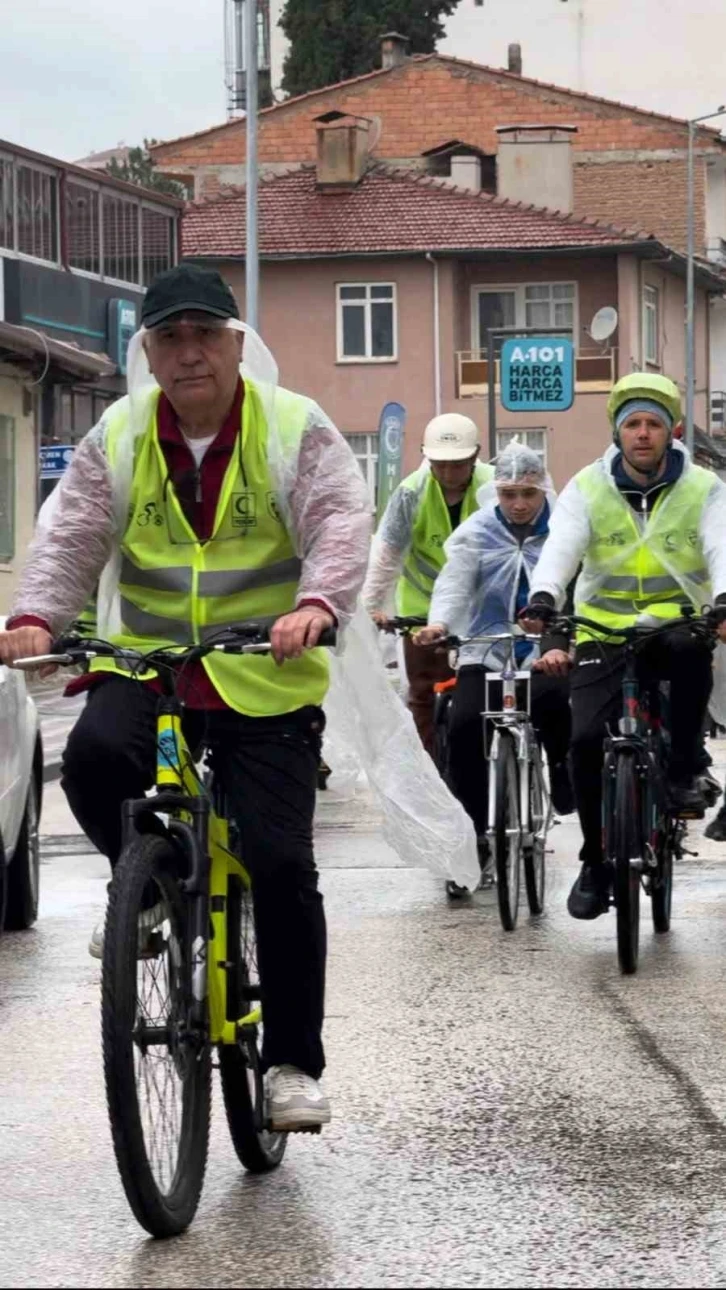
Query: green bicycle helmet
pixel 645 387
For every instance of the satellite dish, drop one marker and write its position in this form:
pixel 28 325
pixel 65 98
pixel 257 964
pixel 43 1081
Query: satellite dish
pixel 604 323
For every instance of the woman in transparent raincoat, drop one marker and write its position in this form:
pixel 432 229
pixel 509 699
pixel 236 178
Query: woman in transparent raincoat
pixel 482 588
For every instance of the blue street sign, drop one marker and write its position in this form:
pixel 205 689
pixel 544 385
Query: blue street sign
pixel 538 374
pixel 55 459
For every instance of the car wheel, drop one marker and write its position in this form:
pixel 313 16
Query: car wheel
pixel 23 874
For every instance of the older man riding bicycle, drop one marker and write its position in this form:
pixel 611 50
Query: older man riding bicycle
pixel 213 498
pixel 649 528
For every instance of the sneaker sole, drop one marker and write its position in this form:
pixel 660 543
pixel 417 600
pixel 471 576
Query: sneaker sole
pixel 299 1121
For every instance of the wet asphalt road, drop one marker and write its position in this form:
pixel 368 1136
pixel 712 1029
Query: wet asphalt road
pixel 508 1110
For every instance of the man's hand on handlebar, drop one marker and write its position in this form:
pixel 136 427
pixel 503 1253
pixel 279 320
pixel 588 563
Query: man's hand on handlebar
pixel 430 635
pixel 717 617
pixel 556 662
pixel 380 619
pixel 26 642
pixel 296 632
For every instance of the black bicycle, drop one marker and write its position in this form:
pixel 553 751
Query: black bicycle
pixel 643 831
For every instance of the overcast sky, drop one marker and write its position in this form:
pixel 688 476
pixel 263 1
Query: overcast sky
pixel 83 75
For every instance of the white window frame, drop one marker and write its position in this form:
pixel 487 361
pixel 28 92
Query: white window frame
pixel 366 304
pixel 520 313
pixel 369 457
pixel 93 188
pixel 505 434
pixel 651 307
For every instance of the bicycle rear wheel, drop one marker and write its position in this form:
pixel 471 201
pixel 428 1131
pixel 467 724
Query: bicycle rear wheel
pixel 158 1074
pixel 627 847
pixel 534 854
pixel 507 831
pixel 240 1068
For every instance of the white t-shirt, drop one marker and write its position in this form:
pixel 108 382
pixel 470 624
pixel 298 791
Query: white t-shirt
pixel 198 447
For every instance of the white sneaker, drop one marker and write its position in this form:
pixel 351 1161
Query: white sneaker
pixel 148 922
pixel 295 1100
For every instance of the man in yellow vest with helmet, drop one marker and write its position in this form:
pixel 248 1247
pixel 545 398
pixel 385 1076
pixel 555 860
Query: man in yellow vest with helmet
pixel 648 528
pixel 218 499
pixel 408 551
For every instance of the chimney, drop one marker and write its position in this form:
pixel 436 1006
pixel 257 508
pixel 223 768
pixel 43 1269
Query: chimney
pixel 342 150
pixel 534 165
pixel 394 50
pixel 514 59
pixel 466 171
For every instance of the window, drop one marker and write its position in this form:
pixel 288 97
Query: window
pixel 7 489
pixel 365 448
pixel 536 304
pixel 7 192
pixel 534 439
pixel 77 409
pixel 120 239
pixel 651 325
pixel 83 227
pixel 366 322
pixel 157 243
pixel 37 213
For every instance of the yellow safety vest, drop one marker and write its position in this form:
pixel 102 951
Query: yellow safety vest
pixel 175 590
pixel 431 527
pixel 650 566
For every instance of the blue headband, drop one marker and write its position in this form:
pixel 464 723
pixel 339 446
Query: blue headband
pixel 644 405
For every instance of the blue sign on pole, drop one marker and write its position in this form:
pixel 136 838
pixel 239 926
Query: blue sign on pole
pixel 538 374
pixel 55 459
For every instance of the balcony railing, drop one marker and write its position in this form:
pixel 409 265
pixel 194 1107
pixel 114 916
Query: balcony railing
pixel 594 373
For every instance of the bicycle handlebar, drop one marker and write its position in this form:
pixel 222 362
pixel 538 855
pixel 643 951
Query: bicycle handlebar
pixel 639 632
pixel 249 639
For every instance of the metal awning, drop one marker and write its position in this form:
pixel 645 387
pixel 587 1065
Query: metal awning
pixel 29 344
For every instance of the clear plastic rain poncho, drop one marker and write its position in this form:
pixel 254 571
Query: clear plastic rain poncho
pixel 368 726
pixel 476 591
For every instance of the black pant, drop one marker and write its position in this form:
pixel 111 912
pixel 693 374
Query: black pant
pixel 597 704
pixel 268 767
pixel 467 770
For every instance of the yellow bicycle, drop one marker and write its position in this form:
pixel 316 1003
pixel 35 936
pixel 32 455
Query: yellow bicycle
pixel 179 977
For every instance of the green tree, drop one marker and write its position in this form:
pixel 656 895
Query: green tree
pixel 332 40
pixel 140 168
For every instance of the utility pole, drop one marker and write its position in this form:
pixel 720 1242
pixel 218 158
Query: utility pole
pixel 252 258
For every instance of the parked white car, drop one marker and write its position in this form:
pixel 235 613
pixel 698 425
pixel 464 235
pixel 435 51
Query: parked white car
pixel 21 788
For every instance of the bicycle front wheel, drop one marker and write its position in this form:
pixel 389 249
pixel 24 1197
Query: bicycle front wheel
pixel 627 855
pixel 258 1148
pixel 507 831
pixel 661 891
pixel 534 853
pixel 158 1073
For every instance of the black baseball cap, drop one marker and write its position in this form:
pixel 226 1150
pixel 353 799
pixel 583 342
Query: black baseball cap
pixel 184 288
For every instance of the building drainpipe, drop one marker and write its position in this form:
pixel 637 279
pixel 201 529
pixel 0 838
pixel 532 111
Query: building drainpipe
pixel 437 334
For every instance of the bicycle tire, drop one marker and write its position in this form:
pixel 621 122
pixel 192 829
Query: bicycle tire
pixel 626 847
pixel 442 713
pixel 535 874
pixel 507 846
pixel 661 891
pixel 258 1149
pixel 163 1208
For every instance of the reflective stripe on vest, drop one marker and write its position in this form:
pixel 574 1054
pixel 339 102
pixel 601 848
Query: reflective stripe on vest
pixel 175 590
pixel 431 527
pixel 662 566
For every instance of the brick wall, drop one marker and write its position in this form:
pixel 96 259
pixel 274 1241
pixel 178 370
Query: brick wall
pixel 423 104
pixel 649 195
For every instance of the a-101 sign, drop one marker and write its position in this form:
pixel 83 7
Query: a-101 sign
pixel 537 373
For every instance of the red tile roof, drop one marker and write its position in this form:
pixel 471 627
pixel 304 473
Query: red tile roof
pixel 389 211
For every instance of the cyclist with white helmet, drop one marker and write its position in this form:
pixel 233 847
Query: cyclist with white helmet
pixel 649 528
pixel 408 551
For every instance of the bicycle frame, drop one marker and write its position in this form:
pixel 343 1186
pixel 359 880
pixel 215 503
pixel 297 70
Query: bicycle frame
pixel 204 836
